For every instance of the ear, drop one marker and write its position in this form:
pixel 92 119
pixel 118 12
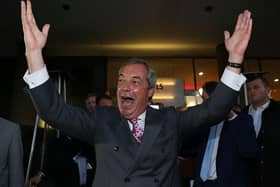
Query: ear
pixel 269 92
pixel 151 92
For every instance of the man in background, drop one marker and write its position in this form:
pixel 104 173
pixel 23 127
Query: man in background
pixel 224 154
pixel 104 100
pixel 265 112
pixel 90 101
pixel 11 155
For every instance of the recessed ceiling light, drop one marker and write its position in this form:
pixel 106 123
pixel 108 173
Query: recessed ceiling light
pixel 276 80
pixel 201 73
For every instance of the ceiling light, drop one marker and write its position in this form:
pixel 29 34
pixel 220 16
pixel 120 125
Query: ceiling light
pixel 200 73
pixel 276 80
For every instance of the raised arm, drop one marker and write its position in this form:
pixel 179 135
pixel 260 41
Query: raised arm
pixel 34 38
pixel 237 43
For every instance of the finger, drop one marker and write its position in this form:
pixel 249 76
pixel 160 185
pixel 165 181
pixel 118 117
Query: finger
pixel 238 23
pixel 23 15
pixel 245 21
pixel 29 13
pixel 226 35
pixel 46 29
pixel 250 25
pixel 248 20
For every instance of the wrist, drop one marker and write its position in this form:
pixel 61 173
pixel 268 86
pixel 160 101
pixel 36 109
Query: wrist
pixel 235 58
pixel 34 60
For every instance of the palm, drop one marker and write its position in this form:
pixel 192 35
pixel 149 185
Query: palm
pixel 238 42
pixel 34 38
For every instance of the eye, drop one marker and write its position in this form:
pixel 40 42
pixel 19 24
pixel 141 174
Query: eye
pixel 120 80
pixel 136 81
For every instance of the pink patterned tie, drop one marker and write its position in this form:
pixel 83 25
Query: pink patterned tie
pixel 137 132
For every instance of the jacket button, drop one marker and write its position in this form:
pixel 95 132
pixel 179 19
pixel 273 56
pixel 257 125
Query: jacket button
pixel 116 148
pixel 156 180
pixel 126 179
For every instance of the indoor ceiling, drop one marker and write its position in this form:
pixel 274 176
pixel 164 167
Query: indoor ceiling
pixel 189 28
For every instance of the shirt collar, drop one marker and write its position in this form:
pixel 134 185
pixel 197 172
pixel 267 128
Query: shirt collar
pixel 262 107
pixel 142 116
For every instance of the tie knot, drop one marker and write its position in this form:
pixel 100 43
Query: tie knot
pixel 134 121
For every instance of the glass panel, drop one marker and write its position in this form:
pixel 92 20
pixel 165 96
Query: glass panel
pixel 251 65
pixel 273 76
pixel 206 70
pixel 174 68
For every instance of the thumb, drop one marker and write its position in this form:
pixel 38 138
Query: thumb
pixel 227 35
pixel 46 29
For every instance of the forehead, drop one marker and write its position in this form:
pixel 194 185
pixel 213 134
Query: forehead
pixel 91 98
pixel 134 70
pixel 255 82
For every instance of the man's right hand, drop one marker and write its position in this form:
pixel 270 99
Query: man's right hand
pixel 34 181
pixel 34 38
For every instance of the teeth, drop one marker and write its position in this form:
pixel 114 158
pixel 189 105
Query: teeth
pixel 127 98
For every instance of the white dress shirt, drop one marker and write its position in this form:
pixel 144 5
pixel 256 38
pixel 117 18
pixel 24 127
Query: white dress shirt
pixel 140 120
pixel 229 78
pixel 212 174
pixel 257 116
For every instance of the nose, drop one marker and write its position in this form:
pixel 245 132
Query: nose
pixel 125 86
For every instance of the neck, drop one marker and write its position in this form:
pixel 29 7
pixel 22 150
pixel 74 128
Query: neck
pixel 258 104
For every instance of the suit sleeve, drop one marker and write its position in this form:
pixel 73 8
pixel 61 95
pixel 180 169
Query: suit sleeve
pixel 51 107
pixel 15 160
pixel 209 113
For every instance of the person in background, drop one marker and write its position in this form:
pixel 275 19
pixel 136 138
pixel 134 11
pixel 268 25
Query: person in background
pixel 265 112
pixel 223 155
pixel 11 155
pixel 90 101
pixel 135 144
pixel 104 100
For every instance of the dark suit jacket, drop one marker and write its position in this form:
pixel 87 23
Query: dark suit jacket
pixel 59 167
pixel 120 160
pixel 270 130
pixel 237 145
pixel 11 155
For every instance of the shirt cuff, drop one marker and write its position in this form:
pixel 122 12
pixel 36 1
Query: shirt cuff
pixel 233 80
pixel 37 78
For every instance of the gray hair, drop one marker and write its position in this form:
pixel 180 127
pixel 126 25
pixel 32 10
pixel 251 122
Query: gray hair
pixel 151 78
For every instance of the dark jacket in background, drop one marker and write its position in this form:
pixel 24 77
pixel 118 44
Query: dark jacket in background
pixel 237 146
pixel 11 155
pixel 268 137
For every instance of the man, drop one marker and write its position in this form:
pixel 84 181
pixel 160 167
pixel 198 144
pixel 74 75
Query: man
pixel 104 100
pixel 223 155
pixel 135 144
pixel 11 155
pixel 90 101
pixel 265 113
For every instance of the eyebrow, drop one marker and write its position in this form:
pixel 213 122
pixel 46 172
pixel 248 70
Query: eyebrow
pixel 136 77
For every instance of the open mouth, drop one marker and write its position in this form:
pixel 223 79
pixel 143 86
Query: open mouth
pixel 126 100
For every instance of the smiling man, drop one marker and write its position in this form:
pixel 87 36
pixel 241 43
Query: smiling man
pixel 135 144
pixel 136 85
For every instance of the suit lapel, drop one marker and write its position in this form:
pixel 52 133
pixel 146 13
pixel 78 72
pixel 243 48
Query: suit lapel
pixel 153 125
pixel 126 138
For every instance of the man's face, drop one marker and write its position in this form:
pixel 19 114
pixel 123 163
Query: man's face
pixel 133 92
pixel 257 92
pixel 90 103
